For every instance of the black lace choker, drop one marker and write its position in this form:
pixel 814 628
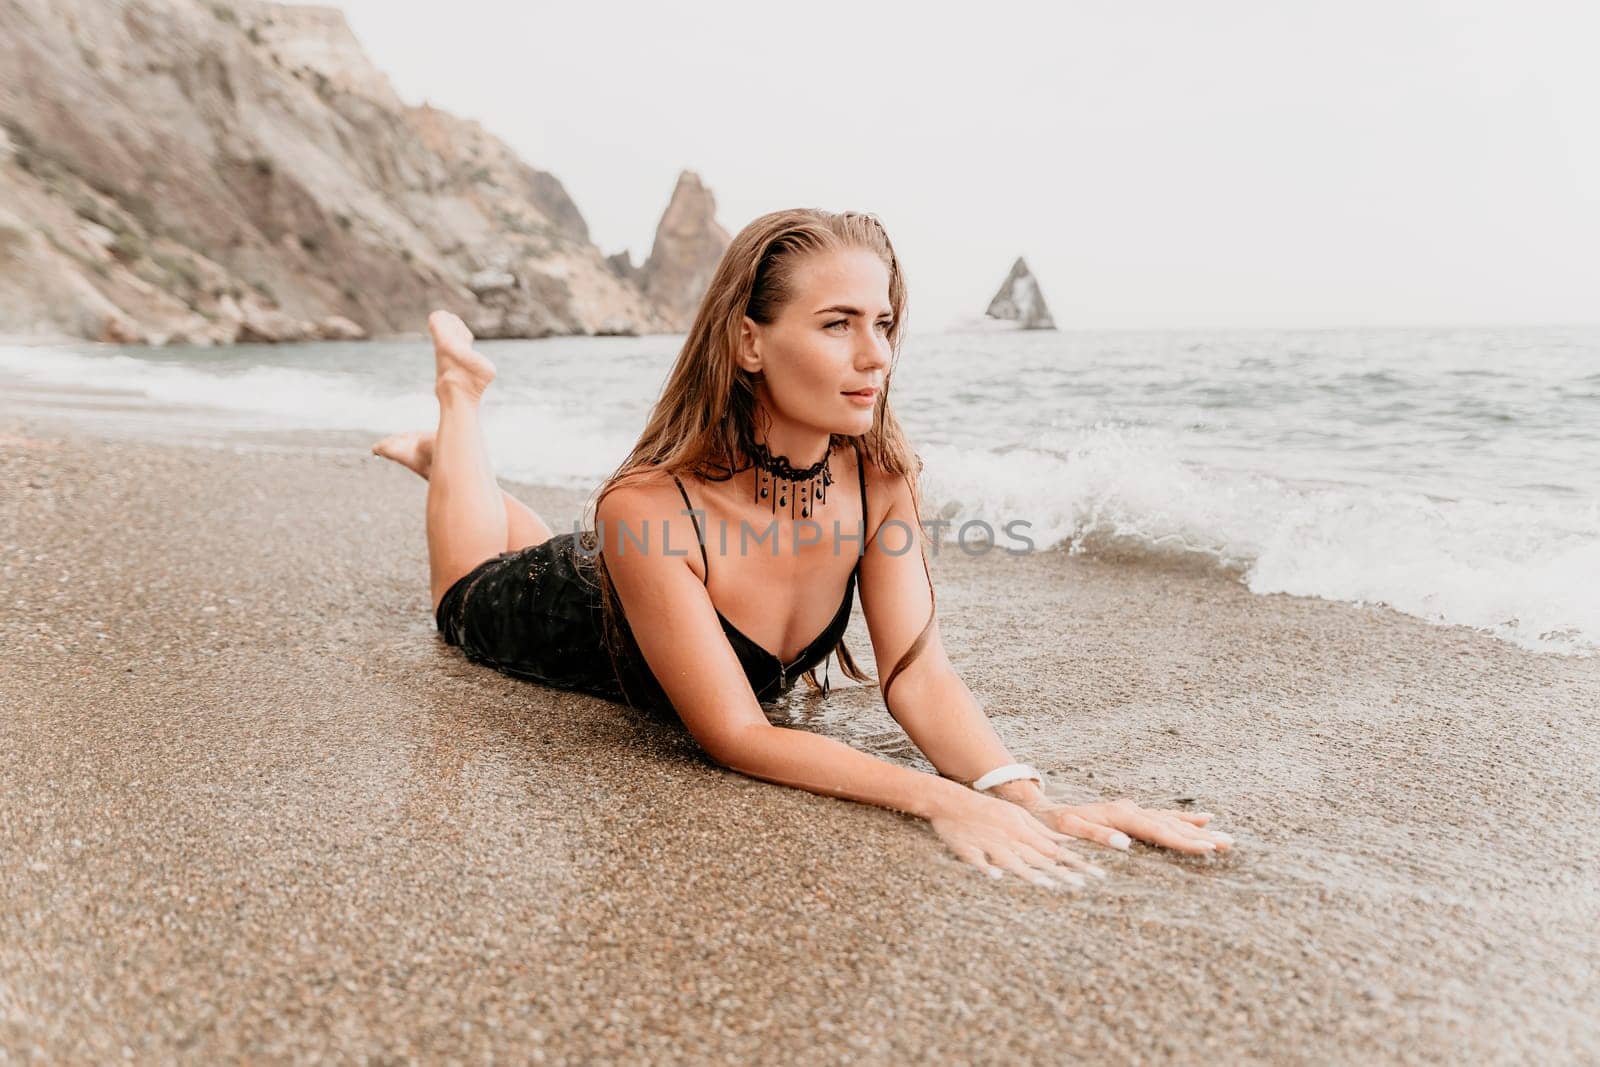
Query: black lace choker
pixel 785 486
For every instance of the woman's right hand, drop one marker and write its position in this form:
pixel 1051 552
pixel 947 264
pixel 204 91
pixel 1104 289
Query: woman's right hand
pixel 996 835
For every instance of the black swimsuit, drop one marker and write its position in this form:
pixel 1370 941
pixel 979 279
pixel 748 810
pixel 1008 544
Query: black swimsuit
pixel 536 614
pixel 765 670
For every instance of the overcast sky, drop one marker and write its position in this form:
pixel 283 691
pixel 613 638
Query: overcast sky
pixel 1160 164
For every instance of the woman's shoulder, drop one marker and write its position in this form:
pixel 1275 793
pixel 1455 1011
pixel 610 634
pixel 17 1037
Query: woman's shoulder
pixel 886 489
pixel 641 491
pixel 649 477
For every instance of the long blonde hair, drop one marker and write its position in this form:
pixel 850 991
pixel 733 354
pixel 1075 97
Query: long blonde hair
pixel 704 421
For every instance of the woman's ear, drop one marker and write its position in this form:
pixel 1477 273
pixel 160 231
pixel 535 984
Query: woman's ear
pixel 750 345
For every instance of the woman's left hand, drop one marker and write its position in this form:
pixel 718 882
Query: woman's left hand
pixel 1114 822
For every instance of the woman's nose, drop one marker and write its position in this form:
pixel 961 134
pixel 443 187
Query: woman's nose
pixel 874 353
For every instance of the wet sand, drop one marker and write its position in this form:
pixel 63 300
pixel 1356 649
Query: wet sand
pixel 254 809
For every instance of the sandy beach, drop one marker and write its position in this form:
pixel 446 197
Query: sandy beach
pixel 254 809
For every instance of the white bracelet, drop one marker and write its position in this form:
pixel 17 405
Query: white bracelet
pixel 1011 772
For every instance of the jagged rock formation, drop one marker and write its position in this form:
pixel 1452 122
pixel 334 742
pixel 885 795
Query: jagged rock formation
pixel 1020 301
pixel 209 171
pixel 688 246
pixel 621 265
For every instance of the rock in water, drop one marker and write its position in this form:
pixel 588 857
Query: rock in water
pixel 1019 300
pixel 689 244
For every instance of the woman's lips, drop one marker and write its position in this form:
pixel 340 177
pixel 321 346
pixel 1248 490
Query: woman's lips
pixel 864 397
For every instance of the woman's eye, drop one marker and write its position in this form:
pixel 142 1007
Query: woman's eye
pixel 886 325
pixel 841 322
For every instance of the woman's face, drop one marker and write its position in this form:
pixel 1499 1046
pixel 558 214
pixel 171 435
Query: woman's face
pixel 825 357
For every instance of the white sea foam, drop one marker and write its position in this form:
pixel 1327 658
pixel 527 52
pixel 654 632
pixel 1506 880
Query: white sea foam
pixel 532 439
pixel 294 397
pixel 1526 572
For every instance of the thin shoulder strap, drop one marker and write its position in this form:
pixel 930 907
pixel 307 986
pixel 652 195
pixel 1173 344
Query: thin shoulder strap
pixel 861 473
pixel 698 536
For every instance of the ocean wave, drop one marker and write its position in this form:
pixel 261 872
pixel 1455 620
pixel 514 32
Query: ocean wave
pixel 1524 572
pixel 293 396
pixel 533 439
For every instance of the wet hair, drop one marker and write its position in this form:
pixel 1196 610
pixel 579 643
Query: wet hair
pixel 704 422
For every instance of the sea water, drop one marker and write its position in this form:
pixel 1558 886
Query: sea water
pixel 1452 474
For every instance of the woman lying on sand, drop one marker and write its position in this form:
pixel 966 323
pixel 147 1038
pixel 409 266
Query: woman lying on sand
pixel 774 450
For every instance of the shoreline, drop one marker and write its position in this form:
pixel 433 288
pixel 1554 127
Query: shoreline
pixel 255 808
pixel 129 416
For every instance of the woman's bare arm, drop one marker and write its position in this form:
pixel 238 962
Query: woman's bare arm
pixel 677 629
pixel 928 698
pixel 942 717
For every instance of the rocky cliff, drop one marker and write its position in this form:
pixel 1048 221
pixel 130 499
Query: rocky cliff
pixel 184 170
pixel 1020 301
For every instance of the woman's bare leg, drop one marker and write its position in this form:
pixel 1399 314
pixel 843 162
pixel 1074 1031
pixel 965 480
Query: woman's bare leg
pixel 413 450
pixel 466 512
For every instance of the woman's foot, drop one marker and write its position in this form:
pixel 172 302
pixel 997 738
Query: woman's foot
pixel 457 368
pixel 412 449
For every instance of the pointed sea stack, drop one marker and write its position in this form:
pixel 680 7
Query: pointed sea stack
pixel 1020 301
pixel 689 245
